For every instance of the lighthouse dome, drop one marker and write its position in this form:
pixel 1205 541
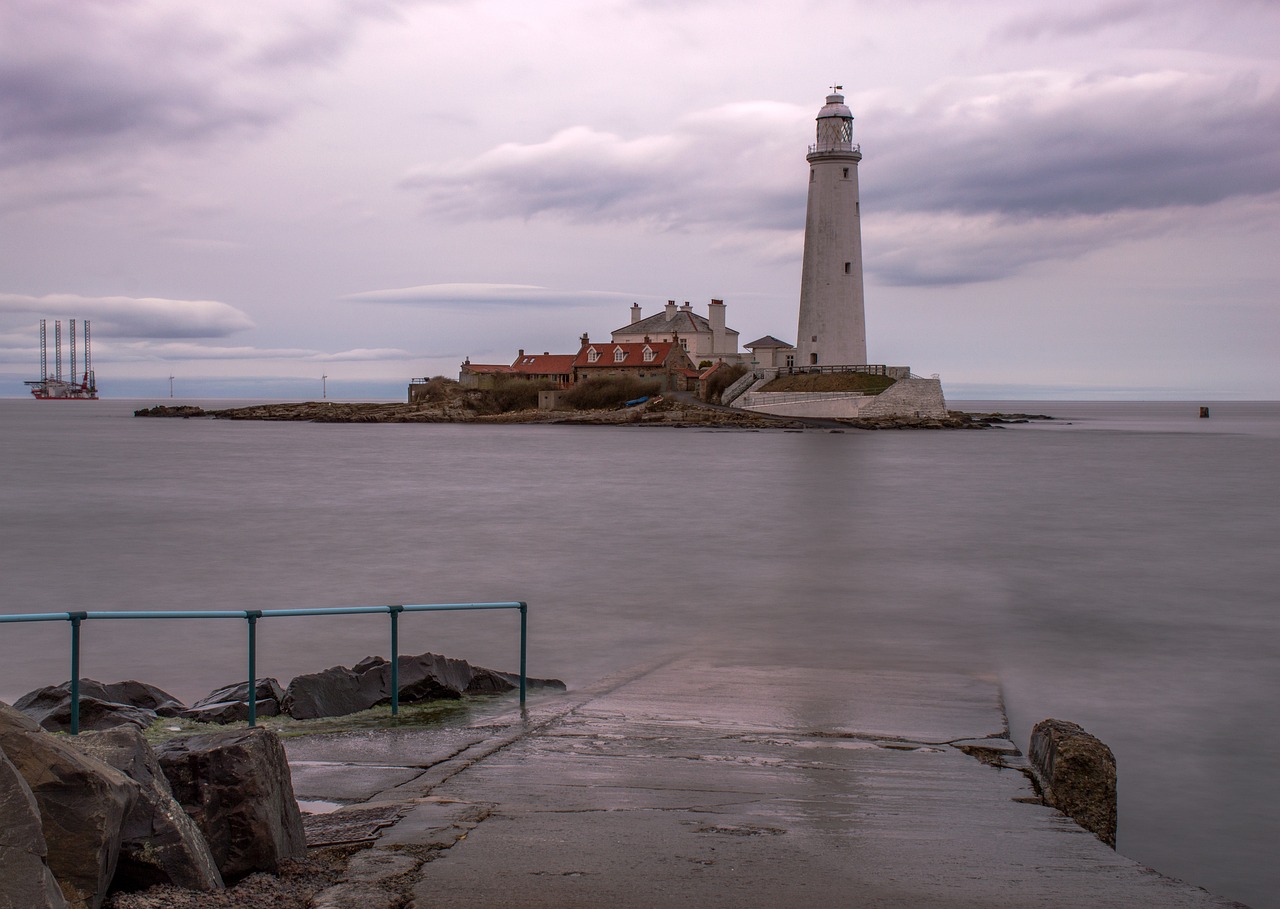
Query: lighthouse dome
pixel 835 108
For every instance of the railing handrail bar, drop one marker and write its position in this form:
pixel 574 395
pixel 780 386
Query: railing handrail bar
pixel 251 617
pixel 261 613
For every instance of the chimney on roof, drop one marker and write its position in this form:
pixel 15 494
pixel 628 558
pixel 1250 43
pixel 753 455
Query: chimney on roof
pixel 546 353
pixel 719 337
pixel 520 354
pixel 671 308
pixel 584 339
pixel 635 313
pixel 688 307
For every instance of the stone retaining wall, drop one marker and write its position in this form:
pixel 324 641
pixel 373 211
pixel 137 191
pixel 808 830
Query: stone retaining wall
pixel 905 398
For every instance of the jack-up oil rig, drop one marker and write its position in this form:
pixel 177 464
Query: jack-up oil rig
pixel 54 387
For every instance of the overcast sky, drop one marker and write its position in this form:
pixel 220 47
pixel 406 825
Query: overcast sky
pixel 1059 199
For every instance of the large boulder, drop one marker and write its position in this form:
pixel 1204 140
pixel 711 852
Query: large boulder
pixel 230 704
pixel 495 681
pixel 429 677
pixel 336 691
pixel 160 843
pixel 134 693
pixel 51 708
pixel 138 703
pixel 1077 774
pixel 25 879
pixel 235 785
pixel 82 803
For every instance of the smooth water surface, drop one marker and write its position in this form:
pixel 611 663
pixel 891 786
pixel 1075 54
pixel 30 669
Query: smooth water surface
pixel 1116 568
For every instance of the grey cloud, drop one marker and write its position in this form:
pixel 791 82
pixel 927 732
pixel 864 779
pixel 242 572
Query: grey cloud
pixel 1037 145
pixel 585 175
pixel 946 248
pixel 1075 21
pixel 139 351
pixel 364 355
pixel 466 295
pixel 135 317
pixel 122 77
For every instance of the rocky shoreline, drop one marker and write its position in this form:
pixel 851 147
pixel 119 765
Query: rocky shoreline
pixel 658 412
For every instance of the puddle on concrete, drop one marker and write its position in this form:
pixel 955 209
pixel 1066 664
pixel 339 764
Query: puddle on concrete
pixel 317 806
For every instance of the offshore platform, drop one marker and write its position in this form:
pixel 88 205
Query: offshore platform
pixel 55 387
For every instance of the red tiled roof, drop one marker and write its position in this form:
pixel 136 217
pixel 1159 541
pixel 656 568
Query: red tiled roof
pixel 544 364
pixel 632 354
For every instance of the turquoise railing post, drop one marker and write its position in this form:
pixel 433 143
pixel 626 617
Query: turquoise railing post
pixel 524 624
pixel 395 658
pixel 75 618
pixel 251 616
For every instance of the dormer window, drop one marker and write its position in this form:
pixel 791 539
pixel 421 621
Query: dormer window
pixel 592 355
pixel 648 354
pixel 619 355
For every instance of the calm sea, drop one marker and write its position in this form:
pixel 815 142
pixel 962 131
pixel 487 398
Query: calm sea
pixel 1118 568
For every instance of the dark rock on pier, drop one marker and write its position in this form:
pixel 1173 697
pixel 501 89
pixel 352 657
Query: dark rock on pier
pixel 160 843
pixel 53 712
pixel 134 693
pixel 230 704
pixel 82 803
pixel 335 691
pixel 102 705
pixel 1077 774
pixel 235 785
pixel 339 691
pixel 25 878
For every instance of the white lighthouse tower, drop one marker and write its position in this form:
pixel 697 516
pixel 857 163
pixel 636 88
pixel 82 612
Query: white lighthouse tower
pixel 833 328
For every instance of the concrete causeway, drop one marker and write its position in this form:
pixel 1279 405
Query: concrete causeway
pixel 692 784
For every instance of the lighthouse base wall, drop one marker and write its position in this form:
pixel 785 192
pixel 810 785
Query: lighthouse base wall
pixel 905 398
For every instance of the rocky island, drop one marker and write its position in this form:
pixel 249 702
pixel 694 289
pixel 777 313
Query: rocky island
pixel 669 411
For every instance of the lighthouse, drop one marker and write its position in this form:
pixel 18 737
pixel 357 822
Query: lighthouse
pixel 833 329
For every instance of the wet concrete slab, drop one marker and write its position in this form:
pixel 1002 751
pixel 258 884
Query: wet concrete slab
pixel 355 766
pixel 712 786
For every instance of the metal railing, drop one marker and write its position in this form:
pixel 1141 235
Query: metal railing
pixel 251 617
pixel 869 369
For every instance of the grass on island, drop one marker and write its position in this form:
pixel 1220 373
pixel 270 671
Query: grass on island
pixel 831 381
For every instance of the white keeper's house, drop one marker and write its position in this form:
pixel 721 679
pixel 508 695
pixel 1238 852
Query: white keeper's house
pixel 704 338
